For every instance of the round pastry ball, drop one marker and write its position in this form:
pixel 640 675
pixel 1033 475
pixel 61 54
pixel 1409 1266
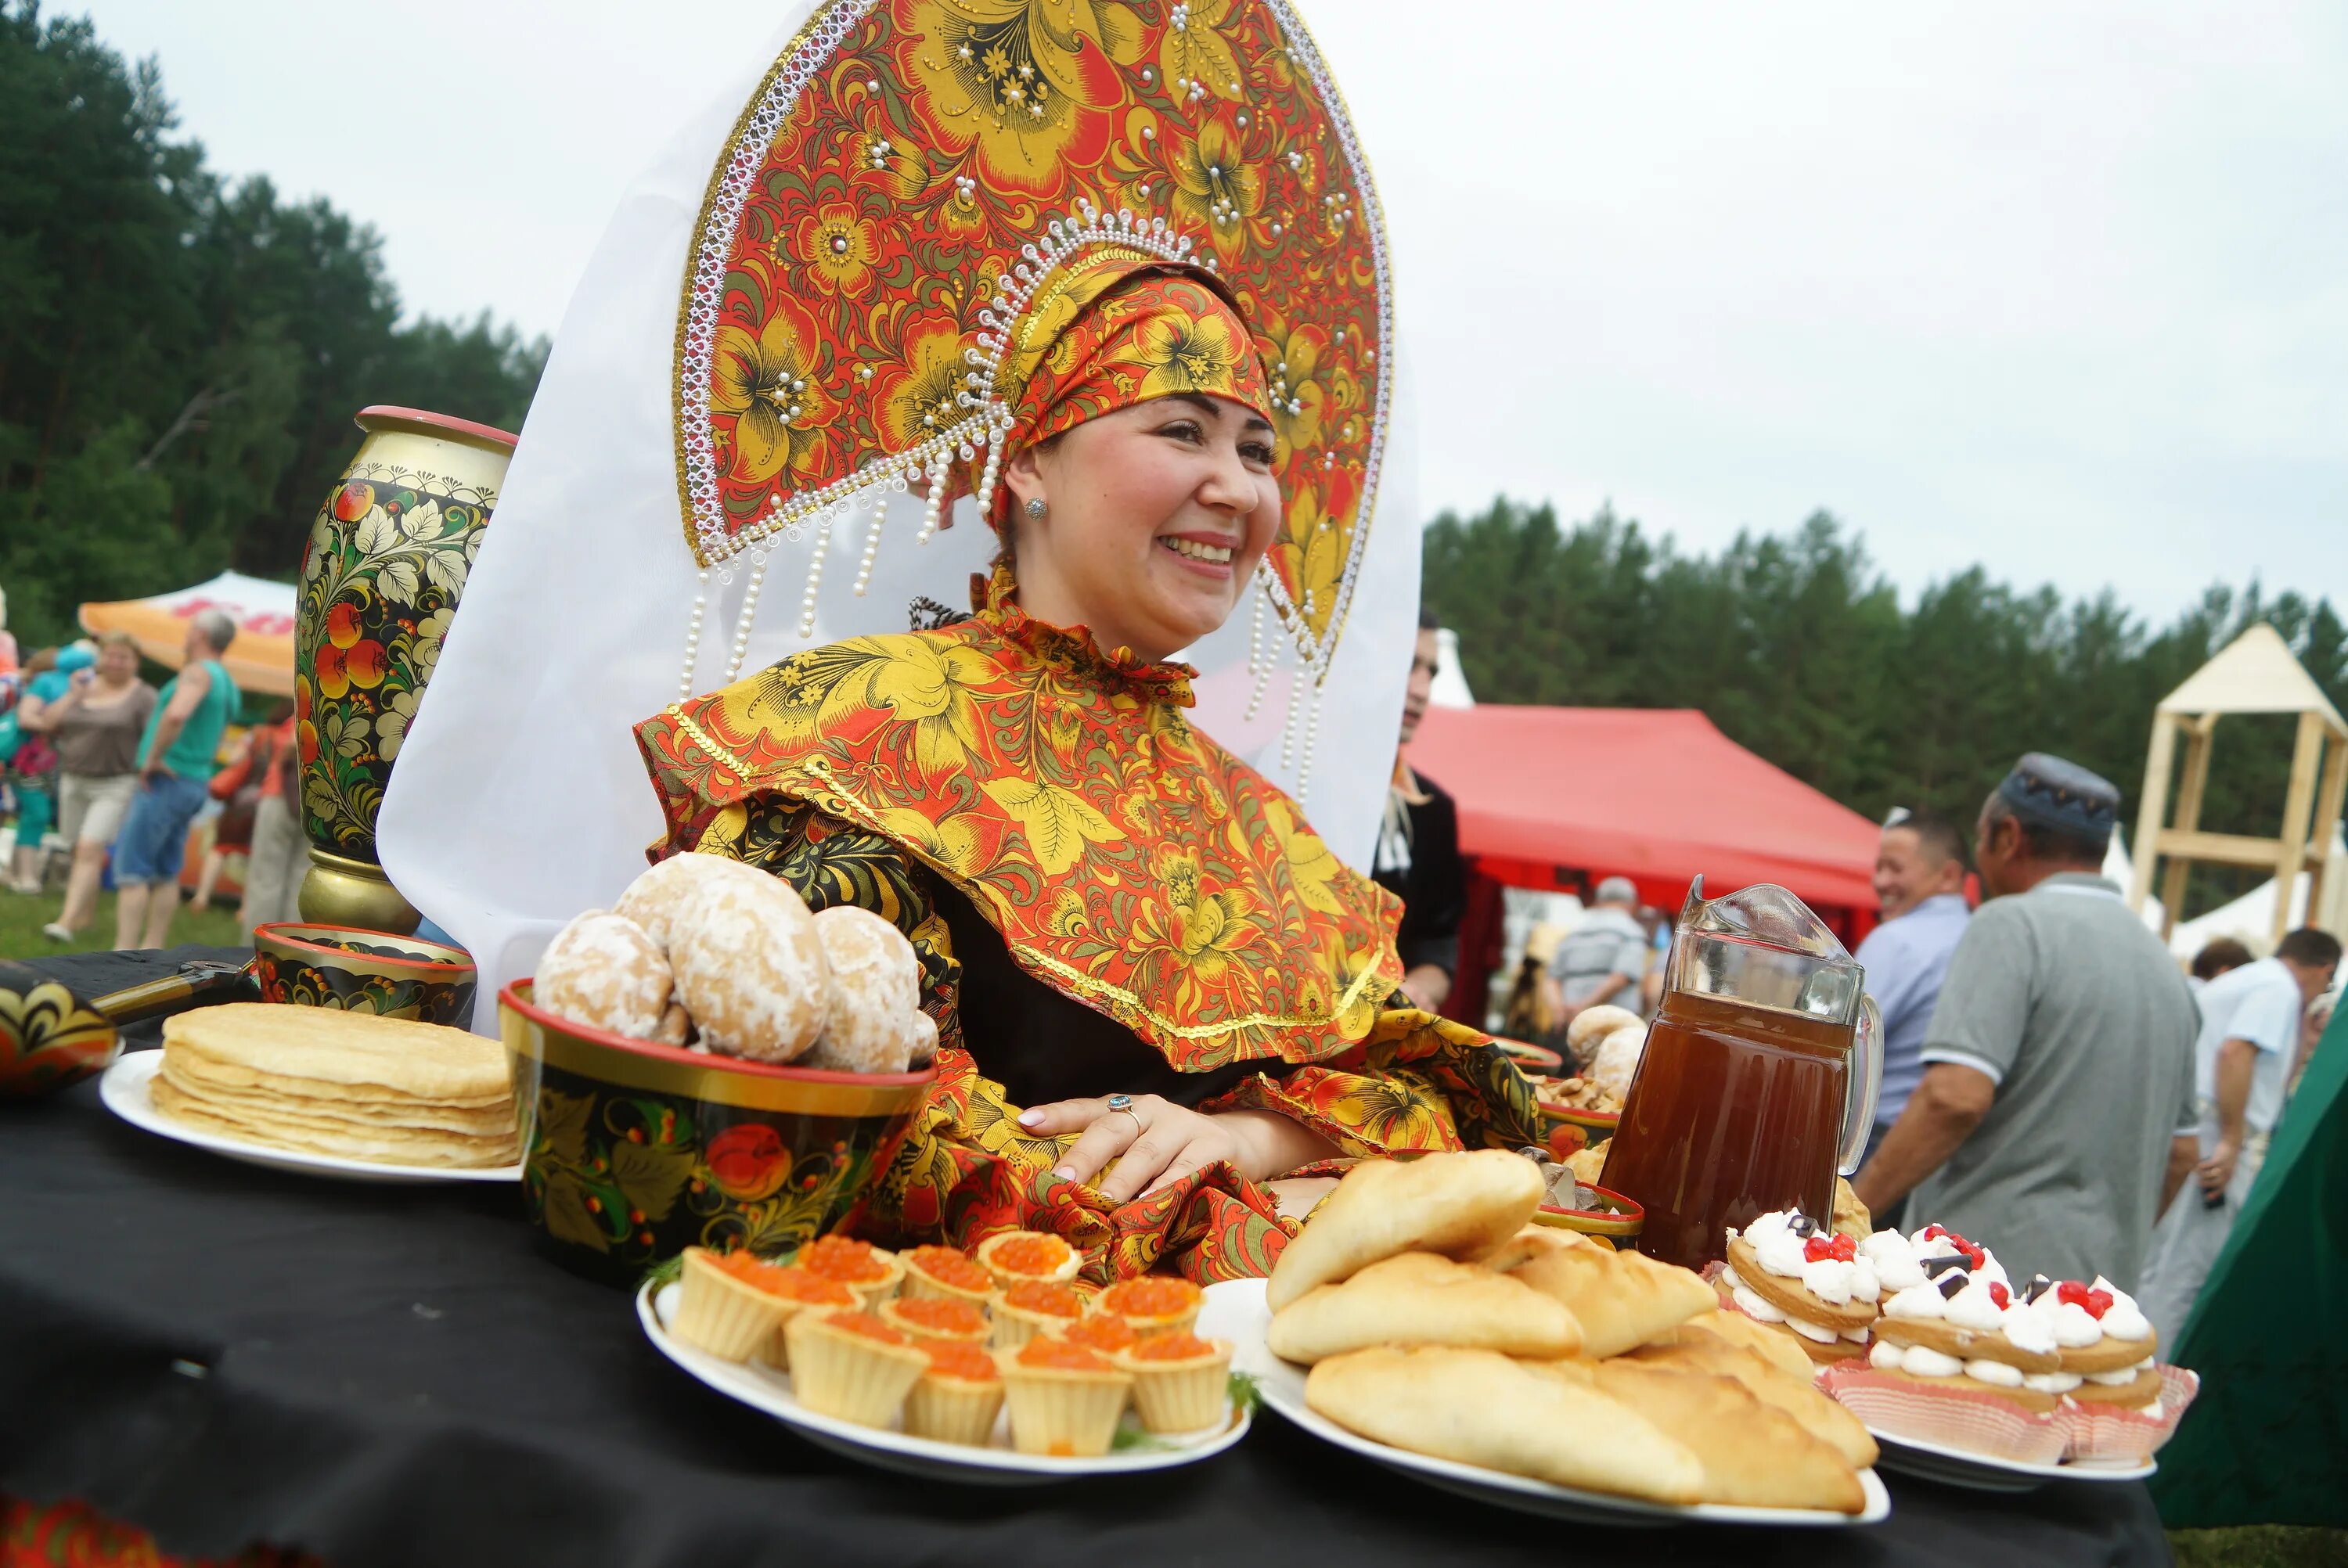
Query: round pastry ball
pixel 750 969
pixel 602 971
pixel 1591 1025
pixel 925 1042
pixel 1618 1059
pixel 654 899
pixel 876 993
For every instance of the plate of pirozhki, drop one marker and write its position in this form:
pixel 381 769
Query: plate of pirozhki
pixel 1422 1320
pixel 996 1369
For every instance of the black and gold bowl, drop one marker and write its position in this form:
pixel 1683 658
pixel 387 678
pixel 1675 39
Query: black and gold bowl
pixel 633 1152
pixel 364 971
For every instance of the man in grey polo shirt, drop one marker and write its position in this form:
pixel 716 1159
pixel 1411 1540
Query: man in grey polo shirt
pixel 2055 1118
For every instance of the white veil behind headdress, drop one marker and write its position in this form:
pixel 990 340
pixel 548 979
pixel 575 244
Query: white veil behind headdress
pixel 519 798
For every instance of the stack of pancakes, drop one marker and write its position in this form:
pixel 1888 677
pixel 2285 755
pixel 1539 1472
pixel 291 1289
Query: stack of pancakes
pixel 350 1085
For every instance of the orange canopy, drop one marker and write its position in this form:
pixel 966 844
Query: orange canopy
pixel 1658 795
pixel 261 660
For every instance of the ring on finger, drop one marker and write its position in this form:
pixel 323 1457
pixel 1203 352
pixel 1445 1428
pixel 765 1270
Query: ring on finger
pixel 1124 1103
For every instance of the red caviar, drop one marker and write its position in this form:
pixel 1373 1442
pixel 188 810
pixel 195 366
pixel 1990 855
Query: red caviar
pixel 1175 1346
pixel 1036 1256
pixel 954 1359
pixel 932 1315
pixel 949 1267
pixel 1151 1298
pixel 842 1258
pixel 864 1323
pixel 1044 1295
pixel 1060 1355
pixel 1101 1332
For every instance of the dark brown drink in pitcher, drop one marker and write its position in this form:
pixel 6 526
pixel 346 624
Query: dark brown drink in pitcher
pixel 1759 1078
pixel 1736 1112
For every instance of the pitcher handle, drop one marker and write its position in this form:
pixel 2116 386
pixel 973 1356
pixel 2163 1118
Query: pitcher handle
pixel 1866 1082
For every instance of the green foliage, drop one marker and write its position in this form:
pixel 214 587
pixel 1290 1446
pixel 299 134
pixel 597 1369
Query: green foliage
pixel 1796 646
pixel 181 354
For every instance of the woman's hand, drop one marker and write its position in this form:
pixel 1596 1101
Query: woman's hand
pixel 1157 1143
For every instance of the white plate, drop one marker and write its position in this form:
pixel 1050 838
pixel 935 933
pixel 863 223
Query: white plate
pixel 1982 1473
pixel 1281 1384
pixel 124 1092
pixel 764 1388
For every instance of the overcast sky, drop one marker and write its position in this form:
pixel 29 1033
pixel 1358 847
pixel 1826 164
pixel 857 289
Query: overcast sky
pixel 2059 288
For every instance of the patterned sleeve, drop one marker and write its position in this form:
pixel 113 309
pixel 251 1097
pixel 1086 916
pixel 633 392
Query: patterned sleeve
pixel 1418 1083
pixel 966 1169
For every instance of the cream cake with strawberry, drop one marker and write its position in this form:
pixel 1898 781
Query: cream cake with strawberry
pixel 2105 1346
pixel 1798 1275
pixel 1960 1325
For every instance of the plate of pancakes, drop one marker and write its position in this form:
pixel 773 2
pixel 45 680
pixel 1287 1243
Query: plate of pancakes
pixel 321 1092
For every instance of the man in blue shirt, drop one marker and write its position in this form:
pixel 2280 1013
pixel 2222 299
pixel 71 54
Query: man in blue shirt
pixel 1920 875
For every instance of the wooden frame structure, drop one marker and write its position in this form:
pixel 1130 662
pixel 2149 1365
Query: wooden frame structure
pixel 2255 674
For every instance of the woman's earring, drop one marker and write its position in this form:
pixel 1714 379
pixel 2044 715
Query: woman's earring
pixel 1036 510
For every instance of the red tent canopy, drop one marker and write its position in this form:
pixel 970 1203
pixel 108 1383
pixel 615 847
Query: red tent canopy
pixel 1658 795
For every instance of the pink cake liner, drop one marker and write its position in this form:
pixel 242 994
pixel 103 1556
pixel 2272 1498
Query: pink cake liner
pixel 1952 1418
pixel 2105 1434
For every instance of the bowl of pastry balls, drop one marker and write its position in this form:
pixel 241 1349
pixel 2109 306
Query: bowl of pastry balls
pixel 709 1063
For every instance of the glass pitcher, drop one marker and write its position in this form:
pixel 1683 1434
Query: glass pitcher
pixel 1759 1077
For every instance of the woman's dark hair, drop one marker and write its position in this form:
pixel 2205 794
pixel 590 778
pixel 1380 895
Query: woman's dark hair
pixel 1427 621
pixel 2219 956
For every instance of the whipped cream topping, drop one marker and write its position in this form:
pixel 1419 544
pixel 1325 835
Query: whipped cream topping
pixel 1996 1372
pixel 1782 1250
pixel 2122 1319
pixel 1893 1259
pixel 1973 1308
pixel 2052 1382
pixel 2070 1323
pixel 2122 1377
pixel 1761 1311
pixel 1928 1248
pixel 1915 1361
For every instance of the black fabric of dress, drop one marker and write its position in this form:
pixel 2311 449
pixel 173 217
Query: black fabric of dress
pixel 393 1376
pixel 1433 887
pixel 1043 1045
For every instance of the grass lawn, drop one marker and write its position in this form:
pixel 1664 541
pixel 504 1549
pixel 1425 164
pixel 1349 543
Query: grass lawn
pixel 23 916
pixel 2260 1546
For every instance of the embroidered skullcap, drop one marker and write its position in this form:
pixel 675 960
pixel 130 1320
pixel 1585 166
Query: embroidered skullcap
pixel 1115 331
pixel 2064 797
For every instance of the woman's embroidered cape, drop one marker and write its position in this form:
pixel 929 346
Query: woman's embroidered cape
pixel 1129 862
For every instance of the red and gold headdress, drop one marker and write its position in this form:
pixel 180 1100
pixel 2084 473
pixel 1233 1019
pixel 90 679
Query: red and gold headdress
pixel 922 195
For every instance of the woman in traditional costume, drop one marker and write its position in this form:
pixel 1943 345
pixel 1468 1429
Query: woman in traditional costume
pixel 1105 902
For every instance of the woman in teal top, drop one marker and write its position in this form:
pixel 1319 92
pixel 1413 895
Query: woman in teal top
pixel 175 771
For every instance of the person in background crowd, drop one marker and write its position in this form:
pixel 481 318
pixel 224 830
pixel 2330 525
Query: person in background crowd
pixel 33 768
pixel 1920 875
pixel 1417 857
pixel 1658 926
pixel 238 788
pixel 175 771
pixel 1526 1016
pixel 2214 960
pixel 1602 958
pixel 96 726
pixel 279 856
pixel 2319 1019
pixel 2058 1065
pixel 2251 1023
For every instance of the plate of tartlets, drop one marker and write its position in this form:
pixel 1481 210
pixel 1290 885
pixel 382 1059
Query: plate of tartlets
pixel 932 1363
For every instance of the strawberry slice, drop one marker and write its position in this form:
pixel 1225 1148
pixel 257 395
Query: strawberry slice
pixel 1999 1294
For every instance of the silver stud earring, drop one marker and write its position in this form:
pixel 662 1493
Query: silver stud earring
pixel 1036 510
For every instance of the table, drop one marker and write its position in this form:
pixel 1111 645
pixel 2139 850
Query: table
pixel 394 1375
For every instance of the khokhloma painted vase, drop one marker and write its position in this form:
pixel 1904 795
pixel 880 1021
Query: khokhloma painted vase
pixel 381 575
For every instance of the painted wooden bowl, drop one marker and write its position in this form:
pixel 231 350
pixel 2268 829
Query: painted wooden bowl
pixel 633 1152
pixel 364 971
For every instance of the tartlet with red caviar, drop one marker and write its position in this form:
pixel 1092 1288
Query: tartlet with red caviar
pixel 734 1305
pixel 956 1400
pixel 1178 1380
pixel 1064 1398
pixel 851 1365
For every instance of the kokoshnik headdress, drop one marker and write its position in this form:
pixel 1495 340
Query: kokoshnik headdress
pixel 910 184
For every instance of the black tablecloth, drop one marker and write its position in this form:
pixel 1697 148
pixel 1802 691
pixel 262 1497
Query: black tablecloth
pixel 392 1376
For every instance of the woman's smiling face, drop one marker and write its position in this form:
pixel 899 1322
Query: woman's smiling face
pixel 1156 516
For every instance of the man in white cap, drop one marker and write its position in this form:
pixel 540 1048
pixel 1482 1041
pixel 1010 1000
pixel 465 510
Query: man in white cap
pixel 1603 957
